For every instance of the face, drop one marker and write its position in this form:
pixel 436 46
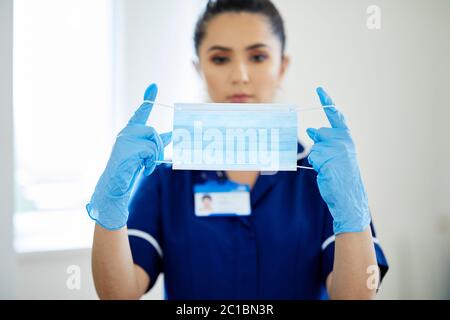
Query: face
pixel 240 59
pixel 206 202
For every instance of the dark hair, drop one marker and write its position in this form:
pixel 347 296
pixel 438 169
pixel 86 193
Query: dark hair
pixel 217 7
pixel 206 196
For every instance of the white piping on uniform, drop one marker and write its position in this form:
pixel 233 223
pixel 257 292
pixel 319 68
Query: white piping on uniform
pixel 147 237
pixel 331 239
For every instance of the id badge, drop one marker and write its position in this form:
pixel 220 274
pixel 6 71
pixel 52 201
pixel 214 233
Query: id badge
pixel 222 199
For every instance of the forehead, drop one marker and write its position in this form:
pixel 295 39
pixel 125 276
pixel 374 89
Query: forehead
pixel 239 30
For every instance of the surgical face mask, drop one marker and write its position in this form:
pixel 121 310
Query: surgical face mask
pixel 235 137
pixel 250 137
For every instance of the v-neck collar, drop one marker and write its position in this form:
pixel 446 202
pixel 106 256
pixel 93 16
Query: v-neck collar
pixel 262 186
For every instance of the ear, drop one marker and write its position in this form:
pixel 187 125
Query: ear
pixel 284 65
pixel 196 65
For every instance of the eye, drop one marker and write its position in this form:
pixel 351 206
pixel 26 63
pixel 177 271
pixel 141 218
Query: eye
pixel 258 58
pixel 220 60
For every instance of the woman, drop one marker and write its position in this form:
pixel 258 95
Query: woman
pixel 309 235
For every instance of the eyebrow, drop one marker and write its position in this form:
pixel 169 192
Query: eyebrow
pixel 252 47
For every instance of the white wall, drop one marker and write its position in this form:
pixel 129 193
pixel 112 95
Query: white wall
pixel 154 44
pixel 440 146
pixel 7 257
pixel 392 85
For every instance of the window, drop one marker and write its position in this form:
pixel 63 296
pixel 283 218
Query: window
pixel 62 117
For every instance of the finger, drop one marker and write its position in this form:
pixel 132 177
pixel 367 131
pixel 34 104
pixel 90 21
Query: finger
pixel 145 154
pixel 335 117
pixel 148 156
pixel 312 133
pixel 141 115
pixel 318 147
pixel 325 99
pixel 150 165
pixel 152 147
pixel 139 131
pixel 317 158
pixel 166 138
pixel 162 141
pixel 312 162
pixel 160 147
pixel 325 134
pixel 157 154
pixel 149 132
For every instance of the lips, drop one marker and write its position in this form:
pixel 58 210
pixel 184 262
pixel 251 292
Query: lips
pixel 240 98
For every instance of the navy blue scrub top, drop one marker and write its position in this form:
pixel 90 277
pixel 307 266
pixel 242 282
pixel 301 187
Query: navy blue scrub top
pixel 283 250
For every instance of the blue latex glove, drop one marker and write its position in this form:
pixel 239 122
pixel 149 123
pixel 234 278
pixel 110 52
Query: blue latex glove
pixel 137 146
pixel 333 156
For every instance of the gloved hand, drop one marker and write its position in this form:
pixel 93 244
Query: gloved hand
pixel 333 156
pixel 137 146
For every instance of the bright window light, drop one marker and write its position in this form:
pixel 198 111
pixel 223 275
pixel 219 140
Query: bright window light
pixel 62 117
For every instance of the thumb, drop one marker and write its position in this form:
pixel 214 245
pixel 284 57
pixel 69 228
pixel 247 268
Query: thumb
pixel 312 133
pixel 166 138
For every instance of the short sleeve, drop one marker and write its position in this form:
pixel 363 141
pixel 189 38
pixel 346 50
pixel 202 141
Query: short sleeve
pixel 144 225
pixel 327 249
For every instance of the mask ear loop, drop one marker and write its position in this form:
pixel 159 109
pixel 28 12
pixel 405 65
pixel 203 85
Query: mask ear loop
pixel 298 109
pixel 160 104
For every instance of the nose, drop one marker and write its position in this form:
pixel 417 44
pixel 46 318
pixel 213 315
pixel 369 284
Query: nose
pixel 240 73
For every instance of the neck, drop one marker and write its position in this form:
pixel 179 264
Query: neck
pixel 243 177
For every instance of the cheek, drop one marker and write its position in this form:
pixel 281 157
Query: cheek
pixel 215 80
pixel 266 84
pixel 215 86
